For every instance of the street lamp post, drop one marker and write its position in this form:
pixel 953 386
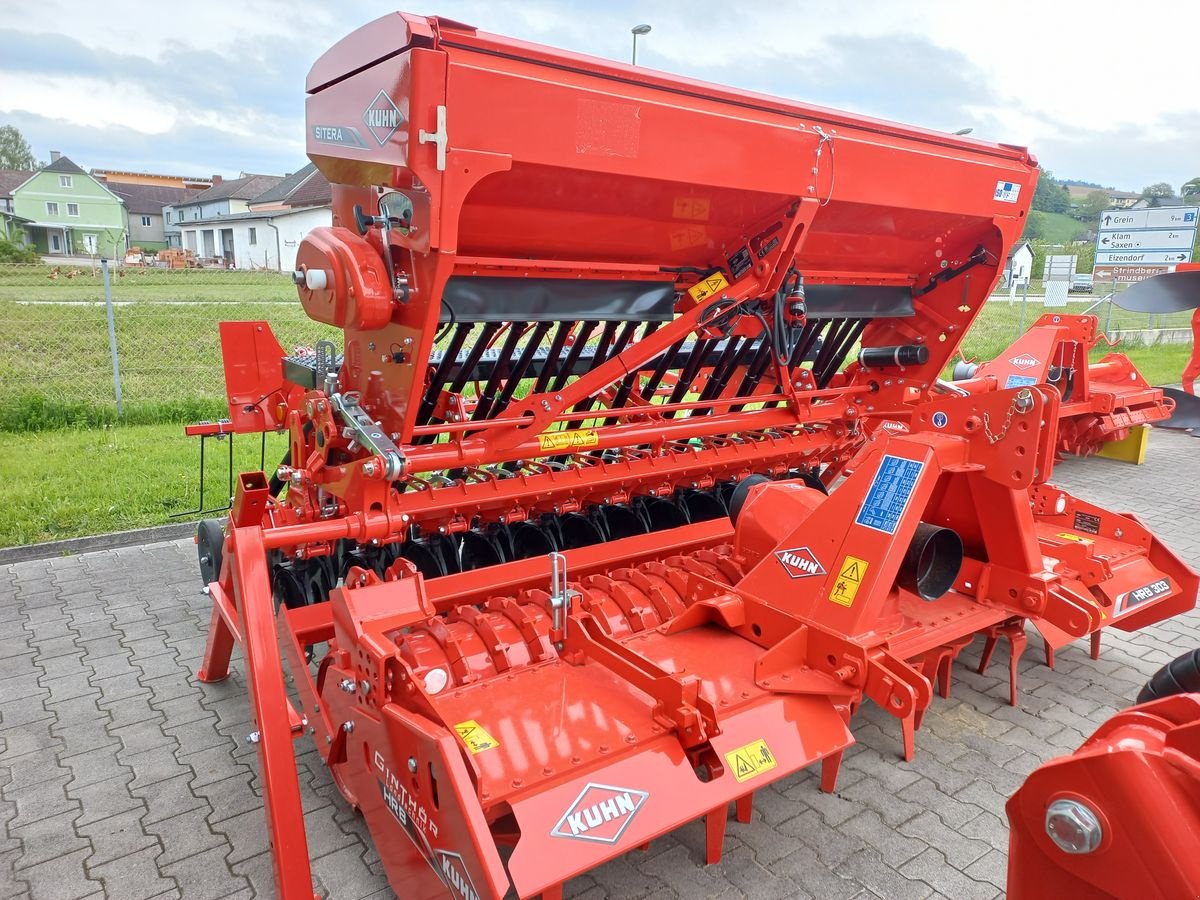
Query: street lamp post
pixel 637 30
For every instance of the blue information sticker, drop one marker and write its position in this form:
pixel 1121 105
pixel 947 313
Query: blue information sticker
pixel 889 494
pixel 1015 381
pixel 940 419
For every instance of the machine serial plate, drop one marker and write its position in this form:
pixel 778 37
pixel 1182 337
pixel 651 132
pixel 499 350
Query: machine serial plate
pixel 889 494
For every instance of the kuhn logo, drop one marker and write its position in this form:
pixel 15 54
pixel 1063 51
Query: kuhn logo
pixel 800 562
pixel 382 118
pixel 454 874
pixel 1025 362
pixel 601 812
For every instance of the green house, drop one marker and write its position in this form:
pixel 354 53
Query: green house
pixel 70 213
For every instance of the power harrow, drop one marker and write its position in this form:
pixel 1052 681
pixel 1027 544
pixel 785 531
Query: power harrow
pixel 581 535
pixel 1100 401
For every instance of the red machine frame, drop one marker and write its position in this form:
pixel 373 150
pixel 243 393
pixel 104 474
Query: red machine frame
pixel 513 725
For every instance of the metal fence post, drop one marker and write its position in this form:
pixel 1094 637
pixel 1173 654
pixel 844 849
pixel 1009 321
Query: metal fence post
pixel 112 337
pixel 1024 301
pixel 1112 293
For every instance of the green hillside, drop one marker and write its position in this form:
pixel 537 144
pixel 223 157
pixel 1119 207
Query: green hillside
pixel 1054 228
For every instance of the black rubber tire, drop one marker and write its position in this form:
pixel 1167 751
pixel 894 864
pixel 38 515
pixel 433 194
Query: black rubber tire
pixel 1179 676
pixel 210 547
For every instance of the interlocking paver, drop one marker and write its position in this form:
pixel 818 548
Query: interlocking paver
pixel 122 776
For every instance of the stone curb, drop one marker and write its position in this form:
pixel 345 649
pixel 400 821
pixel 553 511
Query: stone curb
pixel 97 542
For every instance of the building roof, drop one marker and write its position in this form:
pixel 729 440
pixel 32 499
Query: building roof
pixel 306 187
pixel 149 199
pixel 112 174
pixel 315 191
pixel 277 193
pixel 11 179
pixel 248 187
pixel 64 166
pixel 1012 251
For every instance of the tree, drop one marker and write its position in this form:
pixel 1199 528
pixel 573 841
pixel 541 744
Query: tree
pixel 1157 191
pixel 1093 204
pixel 1191 188
pixel 1050 196
pixel 1035 227
pixel 11 252
pixel 15 152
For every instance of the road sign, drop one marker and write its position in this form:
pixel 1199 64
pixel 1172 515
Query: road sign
pixel 1162 217
pixel 1127 274
pixel 1149 239
pixel 1138 237
pixel 1141 257
pixel 1057 267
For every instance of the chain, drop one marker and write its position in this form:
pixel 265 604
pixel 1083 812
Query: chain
pixel 1022 402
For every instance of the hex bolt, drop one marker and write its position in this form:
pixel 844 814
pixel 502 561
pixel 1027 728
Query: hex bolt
pixel 347 727
pixel 412 764
pixel 254 737
pixel 1073 826
pixel 347 685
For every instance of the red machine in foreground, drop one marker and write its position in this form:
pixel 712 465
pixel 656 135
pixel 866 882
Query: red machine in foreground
pixel 565 557
pixel 1119 818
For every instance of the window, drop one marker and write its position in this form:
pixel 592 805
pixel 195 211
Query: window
pixel 195 215
pixel 145 221
pixel 253 236
pixel 90 243
pixel 168 215
pixel 73 209
pixel 64 181
pixel 51 208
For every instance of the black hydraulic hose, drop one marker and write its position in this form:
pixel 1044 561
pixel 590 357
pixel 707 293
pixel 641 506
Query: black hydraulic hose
pixel 852 334
pixel 626 387
pixel 577 348
pixel 445 367
pixel 522 366
pixel 550 366
pixel 499 371
pixel 1180 676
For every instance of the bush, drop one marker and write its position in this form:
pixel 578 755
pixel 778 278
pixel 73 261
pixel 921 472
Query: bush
pixel 11 252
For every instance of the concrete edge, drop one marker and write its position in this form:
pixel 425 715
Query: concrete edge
pixel 73 546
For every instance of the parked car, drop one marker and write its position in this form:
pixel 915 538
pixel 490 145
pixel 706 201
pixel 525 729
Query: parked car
pixel 1080 284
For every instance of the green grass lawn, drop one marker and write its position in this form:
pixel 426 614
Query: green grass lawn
pixel 71 482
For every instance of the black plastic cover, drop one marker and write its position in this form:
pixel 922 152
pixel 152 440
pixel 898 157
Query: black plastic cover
pixel 486 298
pixel 858 301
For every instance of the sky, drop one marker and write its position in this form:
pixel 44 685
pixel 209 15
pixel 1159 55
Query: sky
pixel 1101 91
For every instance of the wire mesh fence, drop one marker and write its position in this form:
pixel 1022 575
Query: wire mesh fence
pixel 57 369
pixel 56 362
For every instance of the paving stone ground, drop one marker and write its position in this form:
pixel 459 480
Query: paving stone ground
pixel 123 777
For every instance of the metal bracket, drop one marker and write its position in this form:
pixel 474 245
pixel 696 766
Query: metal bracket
pixel 561 596
pixel 368 434
pixel 437 137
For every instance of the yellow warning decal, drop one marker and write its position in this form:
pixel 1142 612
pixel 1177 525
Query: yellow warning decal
pixel 475 736
pixel 1066 535
pixel 753 759
pixel 850 576
pixel 560 441
pixel 706 287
